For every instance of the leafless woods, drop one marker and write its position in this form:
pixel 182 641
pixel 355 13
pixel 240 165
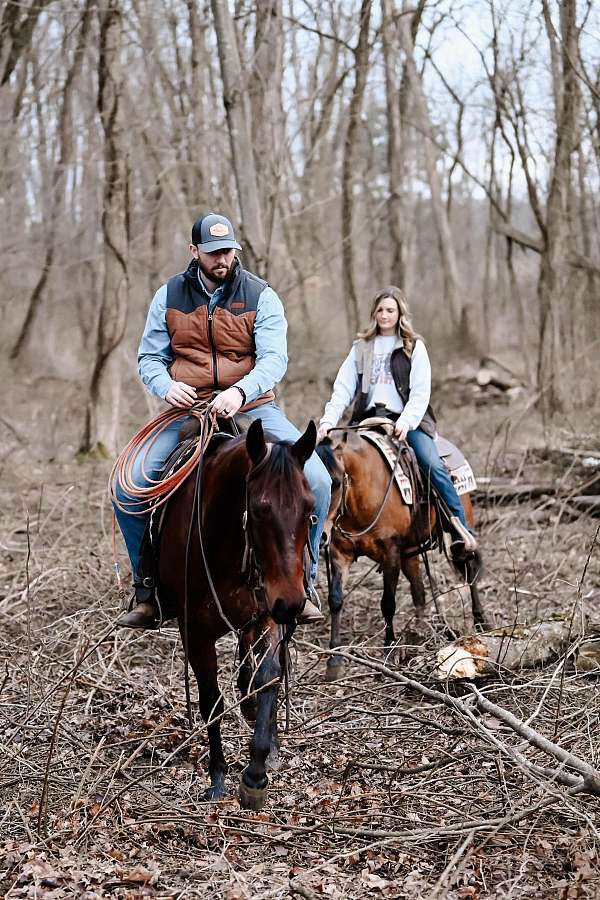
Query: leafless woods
pixel 450 147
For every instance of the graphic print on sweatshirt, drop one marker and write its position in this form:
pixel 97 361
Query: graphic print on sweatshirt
pixel 381 373
pixel 382 390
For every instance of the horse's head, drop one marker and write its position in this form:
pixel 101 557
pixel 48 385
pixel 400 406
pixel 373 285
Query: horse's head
pixel 278 510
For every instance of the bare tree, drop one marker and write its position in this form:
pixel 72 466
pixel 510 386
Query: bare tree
pixel 361 61
pixel 423 124
pixel 56 195
pixel 102 413
pixel 236 100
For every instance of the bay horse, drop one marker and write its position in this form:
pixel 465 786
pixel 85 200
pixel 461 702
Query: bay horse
pixel 247 512
pixel 366 518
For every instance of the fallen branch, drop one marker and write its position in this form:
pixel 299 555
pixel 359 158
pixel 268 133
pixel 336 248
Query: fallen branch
pixel 589 778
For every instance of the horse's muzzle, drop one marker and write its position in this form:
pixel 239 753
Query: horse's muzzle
pixel 285 611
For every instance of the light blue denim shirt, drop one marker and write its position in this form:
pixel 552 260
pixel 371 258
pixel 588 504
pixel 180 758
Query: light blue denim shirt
pixel 270 337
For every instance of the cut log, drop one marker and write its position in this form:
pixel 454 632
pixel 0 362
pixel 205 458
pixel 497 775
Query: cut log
pixel 588 656
pixel 487 377
pixel 515 647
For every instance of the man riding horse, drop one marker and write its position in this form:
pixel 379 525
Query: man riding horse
pixel 214 331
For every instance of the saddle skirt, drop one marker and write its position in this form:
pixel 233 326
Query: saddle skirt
pixel 378 432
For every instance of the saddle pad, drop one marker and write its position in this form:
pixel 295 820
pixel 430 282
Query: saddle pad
pixel 463 479
pixel 389 453
pixel 459 468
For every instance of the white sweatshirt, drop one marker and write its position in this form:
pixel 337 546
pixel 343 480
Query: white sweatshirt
pixel 382 389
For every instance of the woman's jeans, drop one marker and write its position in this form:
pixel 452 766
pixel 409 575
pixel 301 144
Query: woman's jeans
pixel 431 464
pixel 133 526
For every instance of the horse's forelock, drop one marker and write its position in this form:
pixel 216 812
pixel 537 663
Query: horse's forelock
pixel 283 473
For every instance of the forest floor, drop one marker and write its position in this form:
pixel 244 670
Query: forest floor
pixel 382 793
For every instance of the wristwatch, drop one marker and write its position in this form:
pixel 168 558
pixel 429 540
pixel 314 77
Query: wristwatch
pixel 242 392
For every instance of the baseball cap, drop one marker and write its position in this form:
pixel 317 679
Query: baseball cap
pixel 213 232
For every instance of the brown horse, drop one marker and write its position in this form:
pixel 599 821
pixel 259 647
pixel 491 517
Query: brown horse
pixel 360 479
pixel 243 525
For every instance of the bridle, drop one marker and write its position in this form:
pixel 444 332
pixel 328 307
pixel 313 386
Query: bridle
pixel 250 563
pixel 352 535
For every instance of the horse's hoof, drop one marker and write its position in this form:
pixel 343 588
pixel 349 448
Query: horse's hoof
pixel 251 798
pixel 334 671
pixel 273 761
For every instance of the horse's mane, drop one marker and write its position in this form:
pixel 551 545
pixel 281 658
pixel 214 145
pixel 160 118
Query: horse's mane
pixel 326 454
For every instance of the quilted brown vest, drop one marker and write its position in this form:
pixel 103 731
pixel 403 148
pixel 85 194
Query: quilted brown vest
pixel 213 350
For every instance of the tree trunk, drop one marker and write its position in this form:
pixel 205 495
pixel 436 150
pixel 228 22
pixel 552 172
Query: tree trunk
pixel 396 206
pixel 554 267
pixel 361 61
pixel 235 98
pixel 57 191
pixel 102 413
pixel 266 108
pixel 452 299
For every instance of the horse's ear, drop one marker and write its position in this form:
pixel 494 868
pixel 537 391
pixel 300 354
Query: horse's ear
pixel 255 442
pixel 305 444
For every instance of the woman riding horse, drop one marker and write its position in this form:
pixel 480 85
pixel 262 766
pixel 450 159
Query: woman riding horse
pixel 388 374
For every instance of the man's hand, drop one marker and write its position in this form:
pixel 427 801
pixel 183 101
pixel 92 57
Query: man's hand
pixel 400 430
pixel 227 403
pixel 181 394
pixel 323 431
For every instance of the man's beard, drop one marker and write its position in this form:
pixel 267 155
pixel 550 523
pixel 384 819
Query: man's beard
pixel 212 276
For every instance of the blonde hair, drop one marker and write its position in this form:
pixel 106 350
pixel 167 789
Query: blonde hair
pixel 404 327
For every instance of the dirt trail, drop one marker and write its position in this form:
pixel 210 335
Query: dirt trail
pixel 381 793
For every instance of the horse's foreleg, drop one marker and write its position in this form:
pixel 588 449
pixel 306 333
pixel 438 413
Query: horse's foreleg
pixel 203 659
pixel 340 567
pixel 273 761
pixel 246 669
pixel 388 602
pixel 266 681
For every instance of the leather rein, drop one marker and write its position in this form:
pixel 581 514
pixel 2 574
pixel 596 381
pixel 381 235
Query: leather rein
pixel 423 546
pixel 352 535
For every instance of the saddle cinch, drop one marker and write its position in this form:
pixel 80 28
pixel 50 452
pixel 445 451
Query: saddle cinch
pixel 378 431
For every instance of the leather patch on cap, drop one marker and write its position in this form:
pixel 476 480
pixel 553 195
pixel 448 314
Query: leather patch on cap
pixel 238 305
pixel 219 230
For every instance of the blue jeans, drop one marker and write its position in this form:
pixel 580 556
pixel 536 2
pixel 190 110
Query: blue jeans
pixel 434 469
pixel 133 527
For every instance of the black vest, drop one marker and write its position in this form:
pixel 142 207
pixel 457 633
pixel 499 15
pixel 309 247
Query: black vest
pixel 400 365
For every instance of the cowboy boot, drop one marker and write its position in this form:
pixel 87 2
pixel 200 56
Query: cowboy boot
pixel 462 536
pixel 311 611
pixel 143 610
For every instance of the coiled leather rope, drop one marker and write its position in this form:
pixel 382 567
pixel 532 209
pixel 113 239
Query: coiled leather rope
pixel 159 490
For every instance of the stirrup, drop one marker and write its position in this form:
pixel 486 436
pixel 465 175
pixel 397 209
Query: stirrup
pixel 143 592
pixel 311 611
pixel 144 615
